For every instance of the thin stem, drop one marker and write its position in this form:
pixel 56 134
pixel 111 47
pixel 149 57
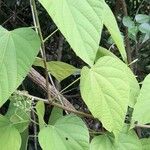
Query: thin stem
pixel 55 104
pixel 69 85
pixel 50 35
pixel 43 53
pixel 142 126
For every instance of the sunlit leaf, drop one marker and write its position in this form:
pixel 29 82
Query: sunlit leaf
pixel 105 90
pixel 18 49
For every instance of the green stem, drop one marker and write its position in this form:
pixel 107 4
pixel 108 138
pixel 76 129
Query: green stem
pixel 50 35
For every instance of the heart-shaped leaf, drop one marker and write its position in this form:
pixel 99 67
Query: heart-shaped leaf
pixel 18 49
pixel 68 133
pixel 105 90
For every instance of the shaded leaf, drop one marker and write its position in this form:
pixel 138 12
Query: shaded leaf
pixel 145 144
pixel 58 69
pixel 9 135
pixel 127 21
pixel 40 109
pixel 68 133
pixel 126 140
pixel 55 115
pixel 142 18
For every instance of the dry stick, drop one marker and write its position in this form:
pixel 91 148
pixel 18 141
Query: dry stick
pixel 39 80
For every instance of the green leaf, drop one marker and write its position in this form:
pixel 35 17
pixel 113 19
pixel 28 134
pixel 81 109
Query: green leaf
pixel 145 144
pixel 102 142
pixel 105 90
pixel 40 109
pixel 141 18
pixel 68 133
pixel 58 69
pixel 9 135
pixel 126 140
pixel 111 24
pixel 141 109
pixel 134 86
pixel 103 52
pixel 145 28
pixel 55 115
pixel 81 23
pixel 127 21
pixel 18 49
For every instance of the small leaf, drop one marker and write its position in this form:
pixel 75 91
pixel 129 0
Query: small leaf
pixel 141 109
pixel 145 28
pixel 145 144
pixel 18 49
pixel 40 108
pixel 141 18
pixel 105 90
pixel 58 69
pixel 68 133
pixel 55 115
pixel 9 135
pixel 127 21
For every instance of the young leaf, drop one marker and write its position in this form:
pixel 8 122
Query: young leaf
pixel 141 18
pixel 9 135
pixel 68 133
pixel 141 109
pixel 55 115
pixel 145 28
pixel 58 69
pixel 18 49
pixel 79 22
pixel 145 144
pixel 105 90
pixel 127 21
pixel 125 141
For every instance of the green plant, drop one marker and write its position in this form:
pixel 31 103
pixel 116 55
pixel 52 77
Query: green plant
pixel 107 85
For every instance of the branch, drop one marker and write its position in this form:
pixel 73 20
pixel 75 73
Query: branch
pixel 55 104
pixel 40 81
